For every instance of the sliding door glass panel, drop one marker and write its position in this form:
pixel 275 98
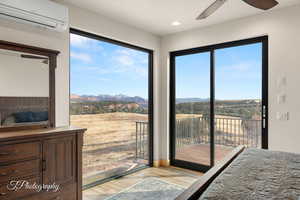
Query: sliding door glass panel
pixel 192 108
pixel 238 94
pixel 109 97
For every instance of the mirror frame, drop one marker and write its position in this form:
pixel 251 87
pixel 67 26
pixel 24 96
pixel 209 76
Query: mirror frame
pixel 52 55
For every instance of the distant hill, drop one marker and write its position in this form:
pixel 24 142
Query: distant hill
pixel 104 97
pixel 98 107
pixel 247 109
pixel 91 104
pixel 191 100
pixel 123 98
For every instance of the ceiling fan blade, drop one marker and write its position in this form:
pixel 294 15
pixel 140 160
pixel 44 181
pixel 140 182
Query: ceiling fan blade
pixel 262 4
pixel 45 60
pixel 33 57
pixel 211 9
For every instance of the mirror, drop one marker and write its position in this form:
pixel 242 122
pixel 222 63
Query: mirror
pixel 24 89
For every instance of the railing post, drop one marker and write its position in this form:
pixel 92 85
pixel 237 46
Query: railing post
pixel 136 140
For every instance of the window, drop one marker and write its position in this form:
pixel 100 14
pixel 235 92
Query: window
pixel 111 96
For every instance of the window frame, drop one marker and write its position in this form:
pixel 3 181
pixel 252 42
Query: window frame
pixel 172 86
pixel 150 94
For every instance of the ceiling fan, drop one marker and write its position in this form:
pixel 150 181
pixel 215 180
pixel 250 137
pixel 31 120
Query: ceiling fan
pixel 261 4
pixel 44 59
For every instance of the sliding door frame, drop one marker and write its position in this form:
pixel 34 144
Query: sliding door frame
pixel 150 95
pixel 212 48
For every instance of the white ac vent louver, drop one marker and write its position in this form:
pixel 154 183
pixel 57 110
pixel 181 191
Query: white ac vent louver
pixel 42 13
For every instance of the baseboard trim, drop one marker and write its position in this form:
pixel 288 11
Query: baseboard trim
pixel 161 163
pixel 156 163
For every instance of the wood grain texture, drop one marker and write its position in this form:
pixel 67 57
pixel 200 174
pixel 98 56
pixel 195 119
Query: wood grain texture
pixel 59 156
pixel 6 194
pixel 26 48
pixel 79 146
pixel 22 151
pixel 45 156
pixel 26 134
pixel 19 169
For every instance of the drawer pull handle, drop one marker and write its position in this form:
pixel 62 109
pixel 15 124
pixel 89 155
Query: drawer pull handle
pixel 44 165
pixel 3 194
pixel 3 174
pixel 56 198
pixel 5 153
pixel 9 153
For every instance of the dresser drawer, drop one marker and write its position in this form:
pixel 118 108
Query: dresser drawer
pixel 14 152
pixel 9 194
pixel 16 170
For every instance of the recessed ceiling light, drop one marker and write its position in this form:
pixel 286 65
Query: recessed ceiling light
pixel 176 23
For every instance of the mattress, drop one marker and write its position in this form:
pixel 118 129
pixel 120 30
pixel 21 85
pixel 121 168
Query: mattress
pixel 258 174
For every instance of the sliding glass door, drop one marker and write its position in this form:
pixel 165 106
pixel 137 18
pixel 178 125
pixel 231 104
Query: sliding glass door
pixel 238 98
pixel 111 96
pixel 192 110
pixel 218 101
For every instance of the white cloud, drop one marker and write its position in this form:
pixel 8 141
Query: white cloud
pixel 78 40
pixel 85 43
pixel 244 66
pixel 81 56
pixel 95 69
pixel 104 79
pixel 131 61
pixel 240 71
pixel 123 61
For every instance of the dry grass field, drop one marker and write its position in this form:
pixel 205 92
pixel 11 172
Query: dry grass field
pixel 109 141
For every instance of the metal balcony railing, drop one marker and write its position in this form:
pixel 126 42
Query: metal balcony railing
pixel 228 132
pixel 141 140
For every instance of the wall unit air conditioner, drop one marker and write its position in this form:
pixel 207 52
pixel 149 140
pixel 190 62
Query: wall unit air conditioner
pixel 42 13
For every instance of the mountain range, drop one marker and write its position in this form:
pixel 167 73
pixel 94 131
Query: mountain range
pixel 191 100
pixel 124 98
pixel 104 97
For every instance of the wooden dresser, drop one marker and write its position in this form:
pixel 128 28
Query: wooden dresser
pixel 42 156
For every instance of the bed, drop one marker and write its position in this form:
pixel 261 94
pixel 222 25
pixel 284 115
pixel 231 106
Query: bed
pixel 249 174
pixel 21 111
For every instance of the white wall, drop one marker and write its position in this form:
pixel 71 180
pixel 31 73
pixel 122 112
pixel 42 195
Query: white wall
pixel 282 26
pixel 14 73
pixel 24 34
pixel 94 23
pixel 283 29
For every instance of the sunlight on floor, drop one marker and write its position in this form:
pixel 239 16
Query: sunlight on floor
pixel 177 176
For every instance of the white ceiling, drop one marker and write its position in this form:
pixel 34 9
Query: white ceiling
pixel 156 16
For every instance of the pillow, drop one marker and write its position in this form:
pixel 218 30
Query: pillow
pixel 22 117
pixel 40 116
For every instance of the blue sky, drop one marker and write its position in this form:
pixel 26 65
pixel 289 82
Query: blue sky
pixel 237 73
pixel 103 68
